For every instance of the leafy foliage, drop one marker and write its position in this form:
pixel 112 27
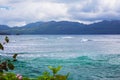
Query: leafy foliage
pixel 46 75
pixel 7 39
pixel 1 47
pixel 11 76
pixel 7 64
pixel 8 76
pixel 10 65
pixel 14 57
pixel 55 70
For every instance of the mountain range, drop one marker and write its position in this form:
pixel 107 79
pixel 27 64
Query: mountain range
pixel 64 27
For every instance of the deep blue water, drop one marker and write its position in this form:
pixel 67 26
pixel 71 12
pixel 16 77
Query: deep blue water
pixel 86 57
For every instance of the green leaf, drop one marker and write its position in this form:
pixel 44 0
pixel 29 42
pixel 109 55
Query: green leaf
pixel 60 77
pixel 1 47
pixel 6 39
pixel 58 68
pixel 50 67
pixel 67 75
pixel 15 55
pixel 55 70
pixel 4 66
pixel 10 66
pixel 45 73
pixel 1 70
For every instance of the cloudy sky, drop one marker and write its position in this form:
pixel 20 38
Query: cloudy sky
pixel 21 12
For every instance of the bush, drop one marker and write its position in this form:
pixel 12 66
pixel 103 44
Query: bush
pixel 45 76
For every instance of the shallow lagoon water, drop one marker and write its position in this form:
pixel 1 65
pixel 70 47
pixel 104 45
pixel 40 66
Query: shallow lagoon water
pixel 86 57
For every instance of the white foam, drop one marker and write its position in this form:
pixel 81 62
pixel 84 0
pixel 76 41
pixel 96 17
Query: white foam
pixel 85 40
pixel 50 55
pixel 66 37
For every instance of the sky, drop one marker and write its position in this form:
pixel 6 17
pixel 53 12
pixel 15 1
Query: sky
pixel 22 12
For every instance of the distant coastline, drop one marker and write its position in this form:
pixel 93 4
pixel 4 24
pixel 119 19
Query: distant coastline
pixel 63 28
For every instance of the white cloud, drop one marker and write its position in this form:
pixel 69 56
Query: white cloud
pixel 20 12
pixel 15 23
pixel 96 10
pixel 30 11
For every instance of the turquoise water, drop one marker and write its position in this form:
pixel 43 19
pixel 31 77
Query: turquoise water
pixel 86 57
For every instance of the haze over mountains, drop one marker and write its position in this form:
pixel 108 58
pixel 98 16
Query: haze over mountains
pixel 64 27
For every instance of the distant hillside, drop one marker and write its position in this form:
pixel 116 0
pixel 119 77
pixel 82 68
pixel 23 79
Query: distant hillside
pixel 64 27
pixel 3 28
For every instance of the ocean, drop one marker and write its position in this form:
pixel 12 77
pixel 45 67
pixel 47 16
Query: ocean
pixel 86 57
